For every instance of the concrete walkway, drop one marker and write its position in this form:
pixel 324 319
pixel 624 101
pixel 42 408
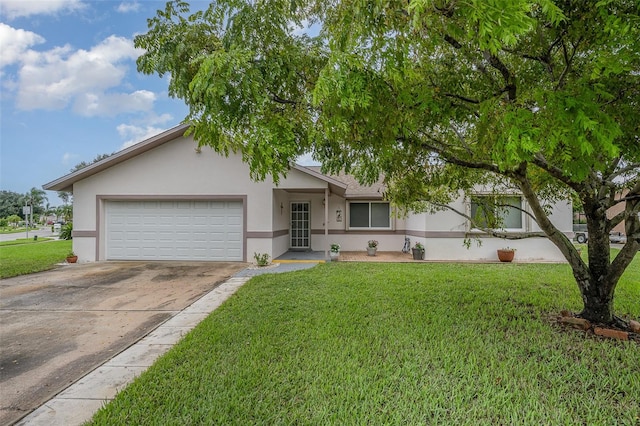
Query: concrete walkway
pixel 77 404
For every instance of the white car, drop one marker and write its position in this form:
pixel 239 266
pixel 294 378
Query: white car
pixel 614 237
pixel 617 237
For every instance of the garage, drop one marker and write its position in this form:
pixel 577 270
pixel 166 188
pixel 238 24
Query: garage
pixel 174 230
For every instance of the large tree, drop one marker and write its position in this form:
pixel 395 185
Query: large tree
pixel 36 198
pixel 440 96
pixel 11 203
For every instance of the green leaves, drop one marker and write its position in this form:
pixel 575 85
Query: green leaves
pixel 491 86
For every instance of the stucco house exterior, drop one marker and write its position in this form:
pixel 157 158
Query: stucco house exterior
pixel 163 199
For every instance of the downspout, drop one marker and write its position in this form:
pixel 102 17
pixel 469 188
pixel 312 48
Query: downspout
pixel 326 223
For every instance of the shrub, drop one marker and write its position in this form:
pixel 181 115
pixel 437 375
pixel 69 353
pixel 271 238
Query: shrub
pixel 262 259
pixel 65 232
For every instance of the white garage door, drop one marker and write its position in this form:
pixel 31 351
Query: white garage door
pixel 174 230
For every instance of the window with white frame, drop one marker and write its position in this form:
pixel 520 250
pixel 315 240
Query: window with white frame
pixel 497 212
pixel 369 215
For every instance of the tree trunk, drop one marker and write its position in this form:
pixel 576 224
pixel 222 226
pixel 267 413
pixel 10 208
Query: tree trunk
pixel 597 309
pixel 596 279
pixel 597 293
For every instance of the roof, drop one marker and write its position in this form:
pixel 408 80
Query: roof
pixel 354 188
pixel 65 183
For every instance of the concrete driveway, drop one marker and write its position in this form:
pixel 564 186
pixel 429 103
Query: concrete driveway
pixel 58 325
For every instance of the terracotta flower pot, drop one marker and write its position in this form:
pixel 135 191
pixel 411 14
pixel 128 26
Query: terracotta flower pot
pixel 506 255
pixel 72 259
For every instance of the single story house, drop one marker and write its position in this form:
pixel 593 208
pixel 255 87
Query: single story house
pixel 164 199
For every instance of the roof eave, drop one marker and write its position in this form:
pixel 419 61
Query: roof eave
pixel 65 183
pixel 335 186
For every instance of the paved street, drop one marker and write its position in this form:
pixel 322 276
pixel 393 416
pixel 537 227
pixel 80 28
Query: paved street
pixel 42 232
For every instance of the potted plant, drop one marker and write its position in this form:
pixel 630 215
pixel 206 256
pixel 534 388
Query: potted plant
pixel 506 254
pixel 418 251
pixel 71 257
pixel 334 252
pixel 372 247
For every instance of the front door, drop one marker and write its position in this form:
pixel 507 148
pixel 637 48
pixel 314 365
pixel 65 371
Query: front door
pixel 300 219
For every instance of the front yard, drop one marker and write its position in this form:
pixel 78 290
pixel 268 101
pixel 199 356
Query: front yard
pixel 28 256
pixel 395 344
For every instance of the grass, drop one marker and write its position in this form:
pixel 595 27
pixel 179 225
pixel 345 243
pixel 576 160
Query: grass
pixel 394 344
pixel 32 256
pixel 24 241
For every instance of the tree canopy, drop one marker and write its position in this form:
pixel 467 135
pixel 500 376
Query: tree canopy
pixel 539 96
pixel 11 203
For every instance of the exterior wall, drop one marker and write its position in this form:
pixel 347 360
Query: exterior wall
pixel 443 234
pixel 281 217
pixel 175 169
pixel 356 240
pixel 530 249
pixel 172 169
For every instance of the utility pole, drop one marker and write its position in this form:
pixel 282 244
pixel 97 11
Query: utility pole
pixel 26 210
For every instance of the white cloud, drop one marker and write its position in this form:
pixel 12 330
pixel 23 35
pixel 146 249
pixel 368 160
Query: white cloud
pixel 62 76
pixel 12 9
pixel 15 42
pixel 126 7
pixel 92 104
pixel 137 133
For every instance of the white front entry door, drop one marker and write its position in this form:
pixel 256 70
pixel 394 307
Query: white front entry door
pixel 300 225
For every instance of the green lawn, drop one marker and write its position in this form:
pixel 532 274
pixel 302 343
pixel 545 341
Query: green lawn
pixel 395 344
pixel 29 257
pixel 16 230
pixel 24 241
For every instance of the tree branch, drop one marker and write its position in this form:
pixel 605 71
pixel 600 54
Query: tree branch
pixel 632 229
pixel 580 269
pixel 462 98
pixel 555 172
pixel 491 231
pixel 510 85
pixel 629 168
pixel 457 161
pixel 452 41
pixel 283 101
pixel 568 59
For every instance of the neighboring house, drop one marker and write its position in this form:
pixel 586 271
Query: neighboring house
pixel 162 199
pixel 617 209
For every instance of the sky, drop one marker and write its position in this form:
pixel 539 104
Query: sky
pixel 69 87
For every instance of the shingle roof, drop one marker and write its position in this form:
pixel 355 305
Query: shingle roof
pixel 354 188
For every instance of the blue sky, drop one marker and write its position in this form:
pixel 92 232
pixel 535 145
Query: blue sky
pixel 70 89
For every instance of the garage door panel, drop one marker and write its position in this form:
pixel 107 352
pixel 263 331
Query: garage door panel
pixel 180 230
